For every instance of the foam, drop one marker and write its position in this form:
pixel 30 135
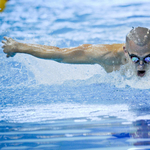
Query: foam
pixel 52 112
pixel 49 73
pixel 77 112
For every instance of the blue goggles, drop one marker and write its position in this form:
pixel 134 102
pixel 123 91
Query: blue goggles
pixel 137 59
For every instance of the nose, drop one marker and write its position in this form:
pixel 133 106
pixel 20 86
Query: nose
pixel 141 65
pixel 141 62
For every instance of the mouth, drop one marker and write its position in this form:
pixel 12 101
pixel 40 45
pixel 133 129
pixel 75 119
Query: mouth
pixel 141 73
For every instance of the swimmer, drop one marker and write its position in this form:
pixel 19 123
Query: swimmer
pixel 135 52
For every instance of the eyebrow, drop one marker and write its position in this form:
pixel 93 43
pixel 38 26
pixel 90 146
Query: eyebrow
pixel 133 55
pixel 147 56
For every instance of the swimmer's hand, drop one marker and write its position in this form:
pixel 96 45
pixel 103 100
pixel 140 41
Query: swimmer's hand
pixel 9 47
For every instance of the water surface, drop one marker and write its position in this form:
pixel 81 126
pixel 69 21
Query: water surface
pixel 47 105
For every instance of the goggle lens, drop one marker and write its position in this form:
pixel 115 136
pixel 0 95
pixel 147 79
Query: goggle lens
pixel 147 59
pixel 135 59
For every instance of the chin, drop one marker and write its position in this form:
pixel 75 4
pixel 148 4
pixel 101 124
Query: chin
pixel 141 73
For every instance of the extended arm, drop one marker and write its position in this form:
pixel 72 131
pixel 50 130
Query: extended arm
pixel 67 55
pixel 105 55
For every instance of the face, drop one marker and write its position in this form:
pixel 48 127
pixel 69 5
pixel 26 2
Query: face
pixel 139 56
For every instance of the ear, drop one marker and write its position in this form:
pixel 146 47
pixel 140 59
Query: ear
pixel 124 48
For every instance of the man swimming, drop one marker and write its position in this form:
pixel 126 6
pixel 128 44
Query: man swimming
pixel 135 52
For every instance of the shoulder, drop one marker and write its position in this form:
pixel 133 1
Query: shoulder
pixel 114 47
pixel 102 50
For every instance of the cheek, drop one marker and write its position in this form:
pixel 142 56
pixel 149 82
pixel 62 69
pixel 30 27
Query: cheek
pixel 147 66
pixel 136 66
pixel 133 66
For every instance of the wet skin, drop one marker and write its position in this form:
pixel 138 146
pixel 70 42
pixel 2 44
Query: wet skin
pixel 141 52
pixel 110 57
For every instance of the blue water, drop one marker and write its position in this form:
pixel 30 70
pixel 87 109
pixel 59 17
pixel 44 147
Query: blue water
pixel 46 105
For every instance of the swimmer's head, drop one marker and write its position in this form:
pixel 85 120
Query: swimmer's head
pixel 138 49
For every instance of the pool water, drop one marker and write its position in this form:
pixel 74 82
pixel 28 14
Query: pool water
pixel 47 105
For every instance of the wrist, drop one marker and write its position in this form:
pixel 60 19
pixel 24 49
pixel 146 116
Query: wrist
pixel 18 47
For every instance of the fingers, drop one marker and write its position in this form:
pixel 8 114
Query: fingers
pixel 10 54
pixel 7 38
pixel 7 47
pixel 3 46
pixel 4 42
pixel 7 55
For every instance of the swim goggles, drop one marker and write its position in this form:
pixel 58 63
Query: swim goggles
pixel 137 59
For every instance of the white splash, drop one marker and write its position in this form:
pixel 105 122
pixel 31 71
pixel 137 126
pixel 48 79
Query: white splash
pixel 51 112
pixel 49 72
